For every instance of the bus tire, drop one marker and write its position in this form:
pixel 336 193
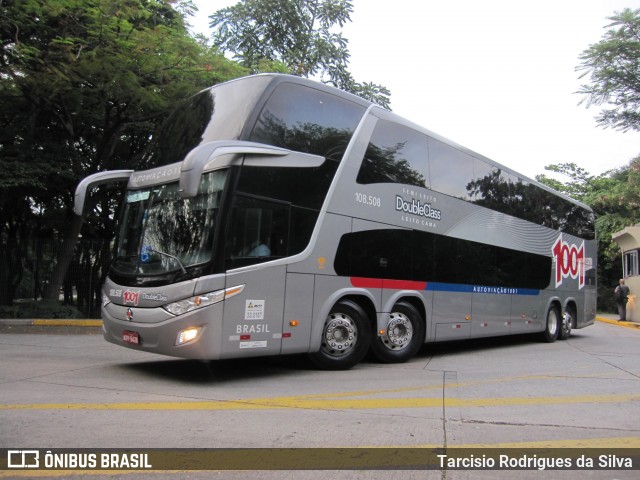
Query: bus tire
pixel 567 323
pixel 346 336
pixel 405 332
pixel 552 326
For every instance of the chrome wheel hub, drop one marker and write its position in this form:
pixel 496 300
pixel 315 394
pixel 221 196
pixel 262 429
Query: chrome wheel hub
pixel 340 334
pixel 399 331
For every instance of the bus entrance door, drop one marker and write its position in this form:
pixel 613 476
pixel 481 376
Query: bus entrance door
pixel 252 323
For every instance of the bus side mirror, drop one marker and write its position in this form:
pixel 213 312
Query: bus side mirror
pixel 100 178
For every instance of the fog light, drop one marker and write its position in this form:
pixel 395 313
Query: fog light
pixel 188 335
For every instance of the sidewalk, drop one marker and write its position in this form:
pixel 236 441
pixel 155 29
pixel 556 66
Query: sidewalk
pixel 613 319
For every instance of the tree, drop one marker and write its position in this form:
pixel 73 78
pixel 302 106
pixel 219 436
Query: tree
pixel 301 34
pixel 83 85
pixel 613 66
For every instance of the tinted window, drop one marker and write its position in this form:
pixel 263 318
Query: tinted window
pixel 396 154
pixel 451 170
pixel 180 132
pixel 482 187
pixel 305 187
pixel 303 220
pixel 505 192
pixel 259 231
pixel 375 254
pixel 423 256
pixel 263 230
pixel 218 113
pixel 307 120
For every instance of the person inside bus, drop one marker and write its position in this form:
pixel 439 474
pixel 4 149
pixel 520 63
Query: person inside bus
pixel 621 295
pixel 257 249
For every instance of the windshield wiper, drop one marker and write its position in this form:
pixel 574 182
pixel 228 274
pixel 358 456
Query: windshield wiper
pixel 184 270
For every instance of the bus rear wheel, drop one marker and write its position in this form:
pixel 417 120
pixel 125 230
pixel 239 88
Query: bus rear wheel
pixel 566 324
pixel 346 337
pixel 552 327
pixel 403 336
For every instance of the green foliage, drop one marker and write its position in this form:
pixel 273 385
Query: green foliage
pixel 613 66
pixel 301 34
pixel 83 85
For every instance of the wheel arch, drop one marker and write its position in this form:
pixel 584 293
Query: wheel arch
pixel 571 303
pixel 554 302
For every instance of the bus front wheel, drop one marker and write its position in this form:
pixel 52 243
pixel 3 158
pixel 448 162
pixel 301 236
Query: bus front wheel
pixel 403 336
pixel 552 327
pixel 346 337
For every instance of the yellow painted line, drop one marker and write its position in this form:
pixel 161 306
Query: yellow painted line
pixel 68 323
pixel 620 324
pixel 332 404
pixel 438 387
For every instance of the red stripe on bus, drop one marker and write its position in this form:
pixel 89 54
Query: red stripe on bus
pixel 363 282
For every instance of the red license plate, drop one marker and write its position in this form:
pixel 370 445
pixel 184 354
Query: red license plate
pixel 131 337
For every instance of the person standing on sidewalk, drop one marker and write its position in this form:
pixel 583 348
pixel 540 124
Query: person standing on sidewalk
pixel 621 295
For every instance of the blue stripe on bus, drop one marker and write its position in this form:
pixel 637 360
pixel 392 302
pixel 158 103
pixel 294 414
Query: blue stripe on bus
pixel 482 289
pixel 366 282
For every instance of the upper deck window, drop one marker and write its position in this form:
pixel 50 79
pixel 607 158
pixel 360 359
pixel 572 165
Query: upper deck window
pixel 396 154
pixel 307 120
pixel 217 113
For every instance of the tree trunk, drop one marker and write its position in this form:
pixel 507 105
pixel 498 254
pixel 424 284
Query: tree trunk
pixel 65 256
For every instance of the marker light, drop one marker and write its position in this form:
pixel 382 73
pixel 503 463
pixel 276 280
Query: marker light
pixel 188 335
pixel 203 300
pixel 105 300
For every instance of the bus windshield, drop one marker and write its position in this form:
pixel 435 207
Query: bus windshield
pixel 162 232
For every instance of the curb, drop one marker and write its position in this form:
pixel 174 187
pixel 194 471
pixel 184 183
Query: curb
pixel 50 323
pixel 611 321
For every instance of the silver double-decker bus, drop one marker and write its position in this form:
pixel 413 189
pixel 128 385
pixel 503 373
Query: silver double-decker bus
pixel 276 215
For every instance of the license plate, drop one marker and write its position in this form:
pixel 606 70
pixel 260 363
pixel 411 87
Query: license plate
pixel 131 337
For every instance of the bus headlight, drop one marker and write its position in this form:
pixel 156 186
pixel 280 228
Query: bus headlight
pixel 203 300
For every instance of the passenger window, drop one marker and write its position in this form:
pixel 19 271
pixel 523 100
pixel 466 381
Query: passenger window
pixel 305 186
pixel 451 170
pixel 485 188
pixel 396 154
pixel 258 233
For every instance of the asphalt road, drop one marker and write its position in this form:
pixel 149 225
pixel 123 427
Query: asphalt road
pixel 65 387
